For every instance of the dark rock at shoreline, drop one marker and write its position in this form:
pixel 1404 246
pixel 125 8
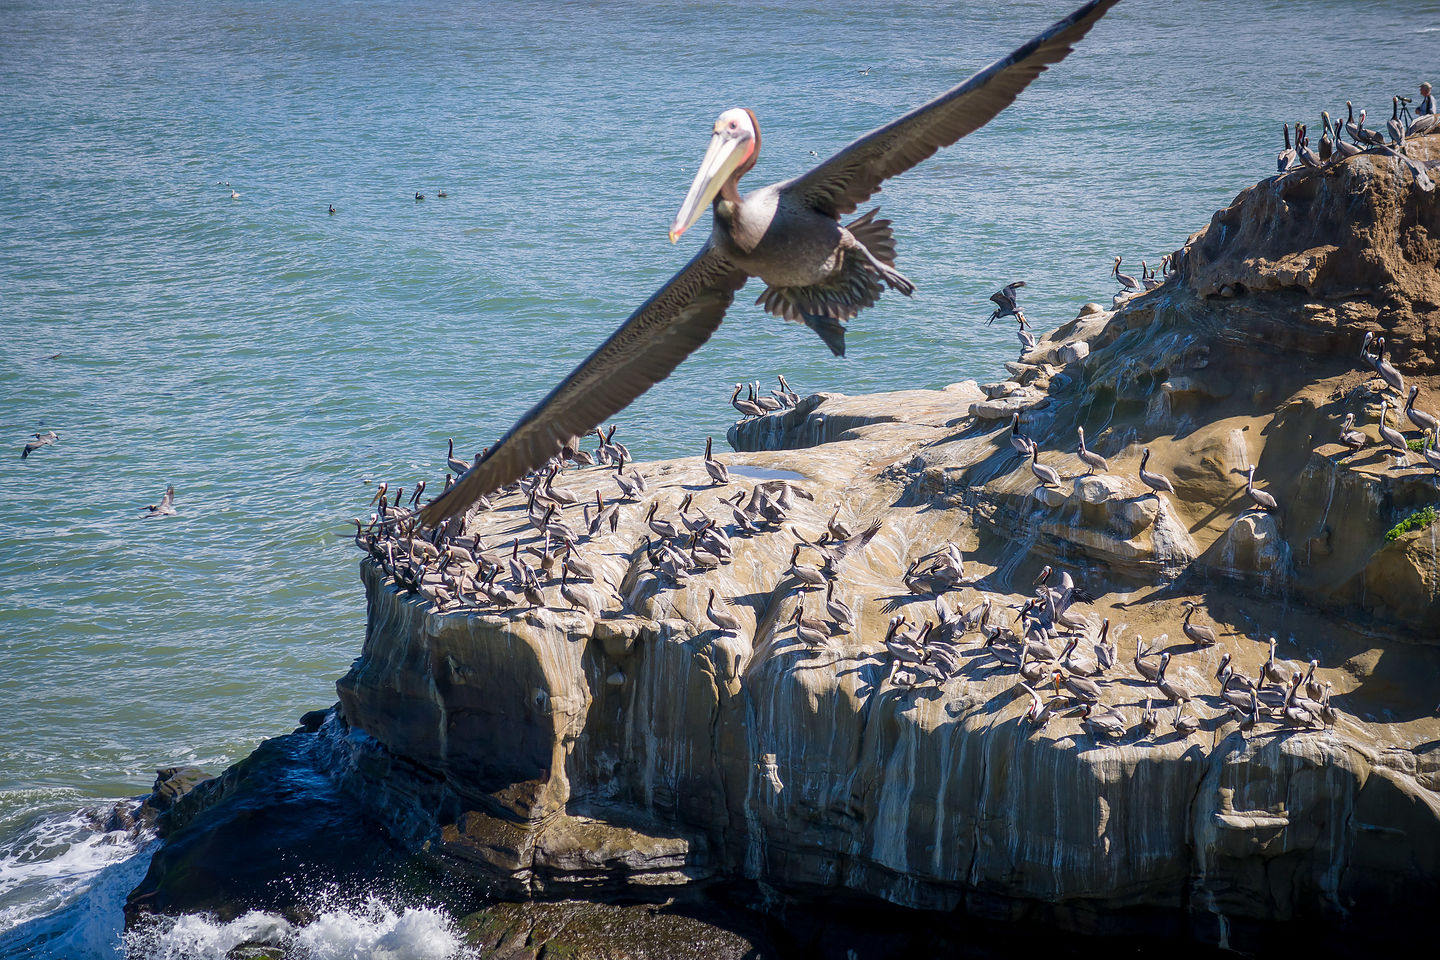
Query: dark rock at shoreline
pixel 269 833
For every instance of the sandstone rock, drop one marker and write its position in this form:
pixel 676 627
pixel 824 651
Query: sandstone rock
pixel 1015 401
pixel 544 751
pixel 1073 352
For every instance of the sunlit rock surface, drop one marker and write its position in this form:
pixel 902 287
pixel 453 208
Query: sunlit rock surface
pixel 551 753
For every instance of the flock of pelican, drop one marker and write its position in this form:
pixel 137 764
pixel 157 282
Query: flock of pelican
pixel 1332 147
pixel 1049 643
pixel 820 271
pixel 1372 354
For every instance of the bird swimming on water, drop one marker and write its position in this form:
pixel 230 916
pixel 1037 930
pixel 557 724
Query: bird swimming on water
pixel 788 234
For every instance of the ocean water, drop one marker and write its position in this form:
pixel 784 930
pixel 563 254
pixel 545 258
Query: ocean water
pixel 272 361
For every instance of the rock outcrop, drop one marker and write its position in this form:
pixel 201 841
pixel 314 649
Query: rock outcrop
pixel 642 752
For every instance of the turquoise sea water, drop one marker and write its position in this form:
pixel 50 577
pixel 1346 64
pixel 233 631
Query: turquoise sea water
pixel 269 359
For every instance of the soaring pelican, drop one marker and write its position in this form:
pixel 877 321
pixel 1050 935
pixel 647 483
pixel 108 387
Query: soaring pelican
pixel 788 234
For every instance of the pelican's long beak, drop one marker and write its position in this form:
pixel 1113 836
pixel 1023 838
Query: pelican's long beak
pixel 728 149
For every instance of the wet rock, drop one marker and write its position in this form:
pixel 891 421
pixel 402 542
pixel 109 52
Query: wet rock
pixel 172 784
pixel 269 833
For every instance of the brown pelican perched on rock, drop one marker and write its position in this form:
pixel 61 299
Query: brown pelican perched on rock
pixel 1351 437
pixel 1173 691
pixel 816 270
pixel 1090 458
pixel 1198 633
pixel 1287 156
pixel 1421 419
pixel 1127 283
pixel 716 469
pixel 1261 499
pixel 1154 481
pixel 1391 436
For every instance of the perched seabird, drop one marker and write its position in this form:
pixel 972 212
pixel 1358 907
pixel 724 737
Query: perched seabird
pixel 1260 498
pixel 1091 459
pixel 807 575
pixel 1038 712
pixel 577 596
pixel 746 407
pixel 813 632
pixel 1081 688
pixel 455 464
pixel 1303 151
pixel 166 506
pixel 1197 633
pixel 1154 481
pixel 1027 339
pixel 664 529
pixel 1106 653
pixel 1420 418
pixel 1431 455
pixel 1274 671
pixel 1285 157
pixel 1048 476
pixel 1106 721
pixel 720 616
pixel 1019 441
pixel 1150 719
pixel 1386 369
pixel 1173 691
pixel 1127 282
pixel 1343 150
pixel 1394 438
pixel 1227 674
pixel 39 440
pixel 790 395
pixel 1184 725
pixel 766 404
pixel 716 469
pixel 1349 436
pixel 838 609
pixel 1372 138
pixel 1393 125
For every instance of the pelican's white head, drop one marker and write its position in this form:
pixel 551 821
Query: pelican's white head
pixel 734 143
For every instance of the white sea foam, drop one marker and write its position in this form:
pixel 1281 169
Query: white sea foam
pixel 64 880
pixel 63 883
pixel 373 930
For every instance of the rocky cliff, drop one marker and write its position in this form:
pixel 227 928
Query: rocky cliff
pixel 552 752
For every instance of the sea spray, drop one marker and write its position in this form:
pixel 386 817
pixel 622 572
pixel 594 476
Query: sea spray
pixel 63 883
pixel 372 929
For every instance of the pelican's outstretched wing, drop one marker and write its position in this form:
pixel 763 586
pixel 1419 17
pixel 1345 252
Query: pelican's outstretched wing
pixel 849 178
pixel 664 331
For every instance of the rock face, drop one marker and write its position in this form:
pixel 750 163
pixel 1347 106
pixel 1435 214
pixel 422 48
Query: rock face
pixel 552 752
